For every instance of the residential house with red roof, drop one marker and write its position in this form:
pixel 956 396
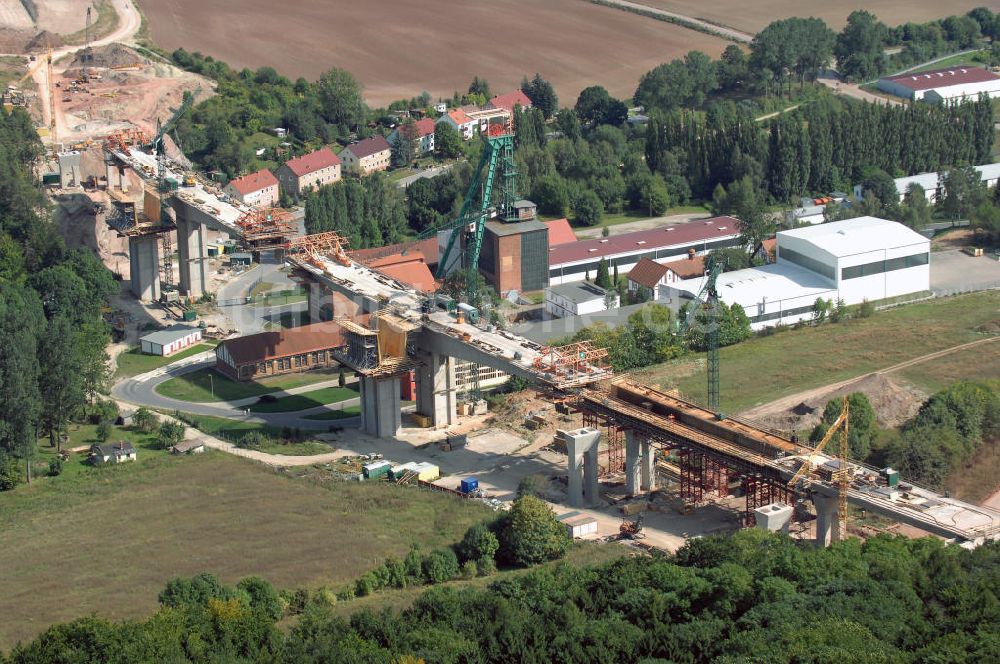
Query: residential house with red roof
pixel 510 100
pixel 366 156
pixel 258 189
pixel 309 171
pixel 660 279
pixel 421 133
pixel 460 120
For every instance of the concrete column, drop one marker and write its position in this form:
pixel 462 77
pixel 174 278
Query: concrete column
pixel 144 267
pixel 647 468
pixel 112 174
pixel 380 408
pixel 191 254
pixel 581 450
pixel 827 519
pixel 633 456
pixel 437 395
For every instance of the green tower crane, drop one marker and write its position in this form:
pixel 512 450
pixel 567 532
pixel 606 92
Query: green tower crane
pixel 708 302
pixel 466 239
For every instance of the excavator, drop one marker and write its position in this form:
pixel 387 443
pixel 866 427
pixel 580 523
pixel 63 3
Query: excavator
pixel 631 530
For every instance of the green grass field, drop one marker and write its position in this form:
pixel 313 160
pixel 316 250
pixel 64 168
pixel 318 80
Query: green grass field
pixel 230 429
pixel 767 368
pixel 294 402
pixel 133 362
pixel 306 448
pixel 954 61
pixel 106 540
pixel 198 386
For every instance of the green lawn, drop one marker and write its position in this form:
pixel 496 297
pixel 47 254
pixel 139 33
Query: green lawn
pixel 320 397
pixel 133 362
pixel 954 61
pixel 306 448
pixel 349 411
pixel 230 429
pixel 198 386
pixel 164 516
pixel 763 369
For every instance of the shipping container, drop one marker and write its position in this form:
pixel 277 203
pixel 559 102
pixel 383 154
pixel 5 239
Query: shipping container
pixel 469 484
pixel 470 312
pixel 376 470
pixel 427 472
pixel 190 315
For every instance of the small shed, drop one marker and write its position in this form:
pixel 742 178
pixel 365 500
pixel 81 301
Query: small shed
pixel 170 340
pixel 188 447
pixel 578 525
pixel 119 452
pixel 240 259
pixel 376 470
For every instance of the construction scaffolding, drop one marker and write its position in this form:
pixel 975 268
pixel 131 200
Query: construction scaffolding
pixel 575 364
pixel 120 141
pixel 314 247
pixel 611 455
pixel 265 229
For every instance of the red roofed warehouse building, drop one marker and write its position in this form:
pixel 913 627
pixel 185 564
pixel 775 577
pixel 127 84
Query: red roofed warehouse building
pixel 258 189
pixel 660 279
pixel 560 232
pixel 366 156
pixel 460 120
pixel 421 133
pixel 274 353
pixel 942 85
pixel 310 170
pixel 572 262
pixel 510 100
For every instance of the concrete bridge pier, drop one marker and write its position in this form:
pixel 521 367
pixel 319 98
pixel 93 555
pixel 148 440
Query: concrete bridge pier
pixel 437 393
pixel 144 266
pixel 581 448
pixel 191 254
pixel 827 519
pixel 640 473
pixel 381 415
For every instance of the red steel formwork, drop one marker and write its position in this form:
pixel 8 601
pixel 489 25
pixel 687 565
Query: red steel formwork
pixel 692 467
pixel 760 491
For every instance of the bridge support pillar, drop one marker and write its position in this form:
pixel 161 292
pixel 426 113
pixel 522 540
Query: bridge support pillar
pixel 582 450
pixel 191 257
pixel 380 408
pixel 640 473
pixel 437 393
pixel 827 519
pixel 144 267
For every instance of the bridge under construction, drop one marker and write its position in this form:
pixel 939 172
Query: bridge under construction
pixel 408 332
pixel 712 453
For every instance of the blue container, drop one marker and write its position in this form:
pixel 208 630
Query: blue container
pixel 469 484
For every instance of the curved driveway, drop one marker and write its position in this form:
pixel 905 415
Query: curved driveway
pixel 141 390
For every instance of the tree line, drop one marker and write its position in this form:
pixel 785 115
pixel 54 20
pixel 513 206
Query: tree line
pixel 53 361
pixel 754 596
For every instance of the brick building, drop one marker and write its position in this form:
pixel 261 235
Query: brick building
pixel 258 189
pixel 274 353
pixel 366 156
pixel 515 256
pixel 310 170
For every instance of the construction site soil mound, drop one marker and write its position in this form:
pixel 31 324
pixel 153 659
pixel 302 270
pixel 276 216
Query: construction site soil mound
pixel 894 403
pixel 44 40
pixel 111 56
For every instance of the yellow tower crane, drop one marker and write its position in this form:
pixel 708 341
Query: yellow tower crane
pixel 841 476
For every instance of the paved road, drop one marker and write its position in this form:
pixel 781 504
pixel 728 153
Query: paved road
pixel 427 173
pixel 141 390
pixel 720 30
pixel 953 272
pixel 250 319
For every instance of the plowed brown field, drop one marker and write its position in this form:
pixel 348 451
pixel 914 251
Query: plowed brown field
pixel 754 16
pixel 399 48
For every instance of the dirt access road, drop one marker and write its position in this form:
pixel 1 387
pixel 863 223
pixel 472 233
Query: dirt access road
pixel 129 21
pixel 786 404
